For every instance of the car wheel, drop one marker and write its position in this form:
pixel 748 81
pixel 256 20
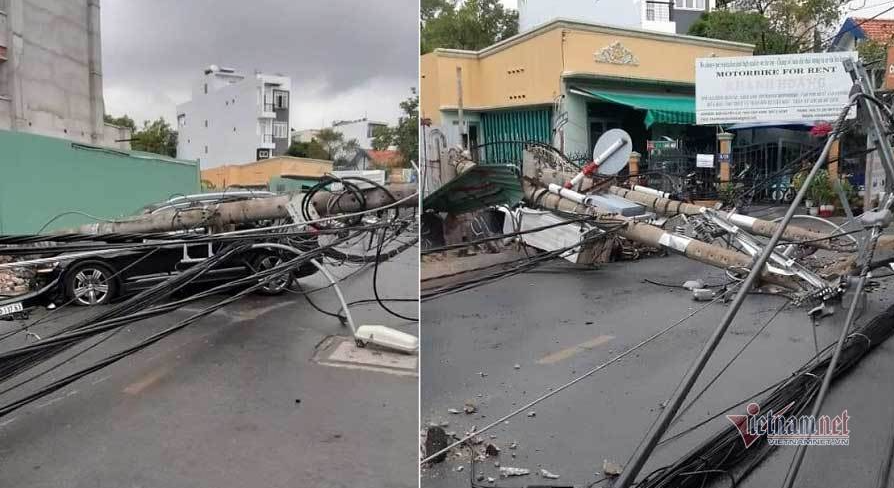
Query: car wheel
pixel 90 283
pixel 278 284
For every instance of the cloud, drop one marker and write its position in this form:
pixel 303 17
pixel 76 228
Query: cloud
pixel 346 58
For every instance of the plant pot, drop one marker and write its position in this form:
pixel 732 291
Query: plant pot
pixel 808 203
pixel 826 211
pixel 813 211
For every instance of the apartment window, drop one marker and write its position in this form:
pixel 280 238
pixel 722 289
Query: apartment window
pixel 206 122
pixel 206 88
pixel 280 130
pixel 372 128
pixel 206 149
pixel 690 4
pixel 281 99
pixel 181 120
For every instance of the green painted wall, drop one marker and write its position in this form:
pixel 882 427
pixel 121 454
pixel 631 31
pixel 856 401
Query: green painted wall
pixel 41 177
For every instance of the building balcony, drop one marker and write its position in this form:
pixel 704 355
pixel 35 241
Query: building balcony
pixel 266 142
pixel 658 15
pixel 4 33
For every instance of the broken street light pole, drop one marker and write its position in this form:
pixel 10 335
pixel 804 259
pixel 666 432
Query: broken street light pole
pixel 651 235
pixel 248 211
pixel 766 228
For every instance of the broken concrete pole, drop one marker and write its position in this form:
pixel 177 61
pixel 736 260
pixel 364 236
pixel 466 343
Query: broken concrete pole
pixel 668 207
pixel 656 237
pixel 245 211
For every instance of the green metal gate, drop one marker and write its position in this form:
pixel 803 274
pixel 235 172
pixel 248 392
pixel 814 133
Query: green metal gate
pixel 504 132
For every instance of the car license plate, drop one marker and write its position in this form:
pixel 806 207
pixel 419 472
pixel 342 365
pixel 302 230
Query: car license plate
pixel 8 309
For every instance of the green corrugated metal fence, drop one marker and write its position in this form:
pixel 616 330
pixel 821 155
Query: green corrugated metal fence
pixel 41 177
pixel 513 125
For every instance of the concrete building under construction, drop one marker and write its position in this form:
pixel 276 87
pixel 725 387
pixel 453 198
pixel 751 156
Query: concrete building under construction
pixel 51 71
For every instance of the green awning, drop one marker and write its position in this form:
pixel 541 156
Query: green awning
pixel 479 187
pixel 660 109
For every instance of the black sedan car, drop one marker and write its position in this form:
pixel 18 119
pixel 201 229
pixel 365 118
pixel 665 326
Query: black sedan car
pixel 99 279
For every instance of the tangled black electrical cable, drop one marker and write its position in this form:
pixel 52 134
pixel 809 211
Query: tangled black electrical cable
pixel 724 452
pixel 137 308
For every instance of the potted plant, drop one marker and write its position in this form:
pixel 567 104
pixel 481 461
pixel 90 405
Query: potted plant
pixel 820 193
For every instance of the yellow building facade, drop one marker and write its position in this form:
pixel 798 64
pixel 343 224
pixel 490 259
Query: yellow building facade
pixel 565 83
pixel 260 173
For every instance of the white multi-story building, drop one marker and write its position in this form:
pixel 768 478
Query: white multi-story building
pixel 670 16
pixel 362 130
pixel 234 118
pixel 51 71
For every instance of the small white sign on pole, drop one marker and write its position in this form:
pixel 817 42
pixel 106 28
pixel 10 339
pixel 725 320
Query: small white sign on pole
pixel 704 161
pixel 785 88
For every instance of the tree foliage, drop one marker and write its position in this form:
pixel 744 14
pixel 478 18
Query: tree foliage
pixel 383 138
pixel 156 137
pixel 773 26
pixel 311 149
pixel 123 121
pixel 469 24
pixel 406 135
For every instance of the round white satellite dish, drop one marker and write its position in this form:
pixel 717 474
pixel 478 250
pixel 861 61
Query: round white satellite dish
pixel 615 161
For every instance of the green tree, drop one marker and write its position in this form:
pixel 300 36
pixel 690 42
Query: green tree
pixel 311 149
pixel 406 135
pixel 123 121
pixel 383 138
pixel 156 137
pixel 469 24
pixel 773 26
pixel 331 141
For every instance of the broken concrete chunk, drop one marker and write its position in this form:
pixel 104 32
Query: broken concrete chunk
pixel 507 471
pixel 550 476
pixel 460 468
pixel 611 468
pixel 517 366
pixel 452 410
pixel 491 480
pixel 491 449
pixel 470 407
pixel 514 445
pixel 532 414
pixel 694 285
pixel 436 440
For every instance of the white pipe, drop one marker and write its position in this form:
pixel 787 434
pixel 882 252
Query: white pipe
pixel 566 193
pixel 651 191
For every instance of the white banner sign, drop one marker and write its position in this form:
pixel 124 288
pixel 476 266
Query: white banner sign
pixel 785 88
pixel 704 161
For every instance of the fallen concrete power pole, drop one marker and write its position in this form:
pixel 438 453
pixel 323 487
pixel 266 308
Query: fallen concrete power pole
pixel 216 215
pixel 653 236
pixel 669 208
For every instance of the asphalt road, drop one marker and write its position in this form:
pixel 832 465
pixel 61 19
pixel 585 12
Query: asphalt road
pixel 236 400
pixel 559 322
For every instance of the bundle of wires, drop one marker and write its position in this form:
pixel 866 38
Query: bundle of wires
pixel 723 456
pixel 137 308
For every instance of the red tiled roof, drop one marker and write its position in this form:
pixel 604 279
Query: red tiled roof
pixel 879 30
pixel 385 158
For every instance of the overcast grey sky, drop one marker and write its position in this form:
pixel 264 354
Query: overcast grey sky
pixel 347 58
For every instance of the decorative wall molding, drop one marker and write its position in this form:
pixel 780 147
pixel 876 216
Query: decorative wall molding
pixel 616 53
